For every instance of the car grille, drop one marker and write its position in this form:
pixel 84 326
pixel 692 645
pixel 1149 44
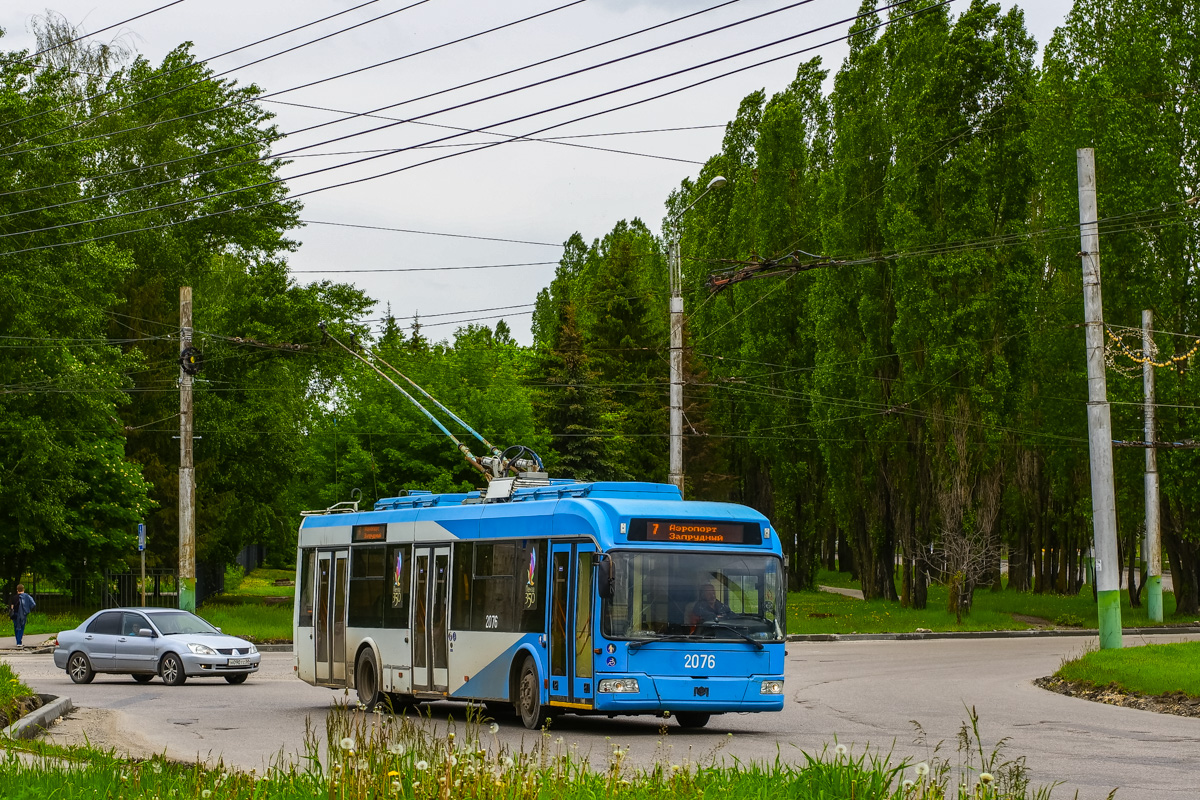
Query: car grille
pixel 234 651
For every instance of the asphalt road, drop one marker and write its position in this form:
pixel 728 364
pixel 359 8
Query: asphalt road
pixel 862 694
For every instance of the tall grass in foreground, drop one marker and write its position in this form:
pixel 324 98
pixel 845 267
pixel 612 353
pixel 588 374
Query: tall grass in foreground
pixel 377 755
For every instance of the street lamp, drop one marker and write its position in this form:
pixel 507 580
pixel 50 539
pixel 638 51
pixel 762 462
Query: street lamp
pixel 675 226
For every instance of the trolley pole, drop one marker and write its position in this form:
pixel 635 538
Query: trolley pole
pixel 187 477
pixel 1104 509
pixel 1151 549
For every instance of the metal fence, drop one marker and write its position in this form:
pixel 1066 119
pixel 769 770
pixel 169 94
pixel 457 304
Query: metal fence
pixel 111 590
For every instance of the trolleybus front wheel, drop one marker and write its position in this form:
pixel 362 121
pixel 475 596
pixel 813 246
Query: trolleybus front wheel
pixel 692 719
pixel 529 696
pixel 366 679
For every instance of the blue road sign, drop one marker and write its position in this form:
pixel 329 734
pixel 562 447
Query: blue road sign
pixel 141 536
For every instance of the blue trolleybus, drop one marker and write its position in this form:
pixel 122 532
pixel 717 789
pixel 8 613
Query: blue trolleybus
pixel 558 597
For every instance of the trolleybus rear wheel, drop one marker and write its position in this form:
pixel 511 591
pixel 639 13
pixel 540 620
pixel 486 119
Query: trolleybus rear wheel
pixel 692 719
pixel 366 679
pixel 529 696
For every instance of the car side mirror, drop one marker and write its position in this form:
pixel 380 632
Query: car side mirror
pixel 146 633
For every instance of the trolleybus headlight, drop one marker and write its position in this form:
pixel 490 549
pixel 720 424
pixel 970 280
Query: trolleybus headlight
pixel 771 687
pixel 201 649
pixel 624 685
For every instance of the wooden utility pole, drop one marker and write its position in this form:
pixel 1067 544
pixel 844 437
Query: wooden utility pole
pixel 187 473
pixel 1104 506
pixel 1151 549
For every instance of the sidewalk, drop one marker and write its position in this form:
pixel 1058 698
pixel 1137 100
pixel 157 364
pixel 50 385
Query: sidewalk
pixel 34 643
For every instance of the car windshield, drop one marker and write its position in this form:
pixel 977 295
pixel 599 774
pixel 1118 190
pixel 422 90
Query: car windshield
pixel 169 622
pixel 695 595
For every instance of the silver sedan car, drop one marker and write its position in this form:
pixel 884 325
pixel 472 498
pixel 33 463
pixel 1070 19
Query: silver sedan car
pixel 144 642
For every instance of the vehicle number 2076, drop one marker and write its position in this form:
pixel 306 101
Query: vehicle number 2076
pixel 699 661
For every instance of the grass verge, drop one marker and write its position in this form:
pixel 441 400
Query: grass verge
pixel 256 622
pixel 380 756
pixel 1152 669
pixel 825 613
pixel 16 699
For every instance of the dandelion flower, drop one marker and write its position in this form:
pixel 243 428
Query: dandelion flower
pixel 206 793
pixel 507 762
pixel 393 774
pixel 450 736
pixel 396 749
pixel 908 784
pixel 395 786
pixel 453 761
pixel 494 728
pixel 922 769
pixel 347 743
pixel 840 749
pixel 985 778
pixel 421 765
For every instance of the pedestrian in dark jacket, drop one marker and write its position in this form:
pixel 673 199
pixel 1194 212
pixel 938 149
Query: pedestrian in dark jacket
pixel 19 609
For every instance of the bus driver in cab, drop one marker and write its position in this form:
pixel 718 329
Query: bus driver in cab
pixel 708 607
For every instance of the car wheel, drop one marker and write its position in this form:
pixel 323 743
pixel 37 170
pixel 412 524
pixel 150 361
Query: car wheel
pixel 366 679
pixel 692 719
pixel 171 670
pixel 142 677
pixel 236 679
pixel 529 696
pixel 80 668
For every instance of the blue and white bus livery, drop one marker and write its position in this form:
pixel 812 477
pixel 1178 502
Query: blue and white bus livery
pixel 547 596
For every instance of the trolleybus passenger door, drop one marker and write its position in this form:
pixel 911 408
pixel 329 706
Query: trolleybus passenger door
pixel 330 616
pixel 431 581
pixel 572 586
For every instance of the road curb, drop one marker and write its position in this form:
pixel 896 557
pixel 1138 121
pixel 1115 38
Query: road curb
pixel 274 648
pixel 1032 633
pixel 34 723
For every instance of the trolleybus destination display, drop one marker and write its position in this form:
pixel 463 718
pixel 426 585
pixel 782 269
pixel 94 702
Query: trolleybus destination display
pixel 694 531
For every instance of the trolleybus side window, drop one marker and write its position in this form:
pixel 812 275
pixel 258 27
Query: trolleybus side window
pixel 492 595
pixel 365 609
pixel 485 599
pixel 530 585
pixel 460 612
pixel 398 568
pixel 308 567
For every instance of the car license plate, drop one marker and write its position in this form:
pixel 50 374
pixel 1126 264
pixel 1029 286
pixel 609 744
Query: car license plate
pixel 239 662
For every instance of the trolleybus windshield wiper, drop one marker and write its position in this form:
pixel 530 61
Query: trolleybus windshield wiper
pixel 634 645
pixel 732 629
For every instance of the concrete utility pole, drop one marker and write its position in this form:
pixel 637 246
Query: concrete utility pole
pixel 1151 549
pixel 187 474
pixel 676 268
pixel 1104 507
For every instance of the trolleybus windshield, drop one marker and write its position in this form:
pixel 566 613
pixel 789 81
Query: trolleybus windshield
pixel 703 595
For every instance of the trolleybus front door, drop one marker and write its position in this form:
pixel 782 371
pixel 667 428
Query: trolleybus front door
pixel 330 617
pixel 431 581
pixel 572 587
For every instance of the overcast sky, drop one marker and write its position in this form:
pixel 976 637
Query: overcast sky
pixel 531 191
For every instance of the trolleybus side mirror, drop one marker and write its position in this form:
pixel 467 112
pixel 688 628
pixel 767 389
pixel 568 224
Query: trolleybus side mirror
pixel 604 576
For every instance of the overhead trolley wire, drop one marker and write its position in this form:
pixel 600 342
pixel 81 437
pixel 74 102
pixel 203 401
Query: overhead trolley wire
pixel 367 113
pixel 79 123
pixel 374 111
pixel 561 106
pixel 28 59
pixel 260 97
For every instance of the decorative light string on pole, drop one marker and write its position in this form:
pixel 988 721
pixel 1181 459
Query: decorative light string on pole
pixel 1142 356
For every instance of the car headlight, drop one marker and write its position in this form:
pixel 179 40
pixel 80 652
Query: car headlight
pixel 201 649
pixel 253 649
pixel 618 685
pixel 771 687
